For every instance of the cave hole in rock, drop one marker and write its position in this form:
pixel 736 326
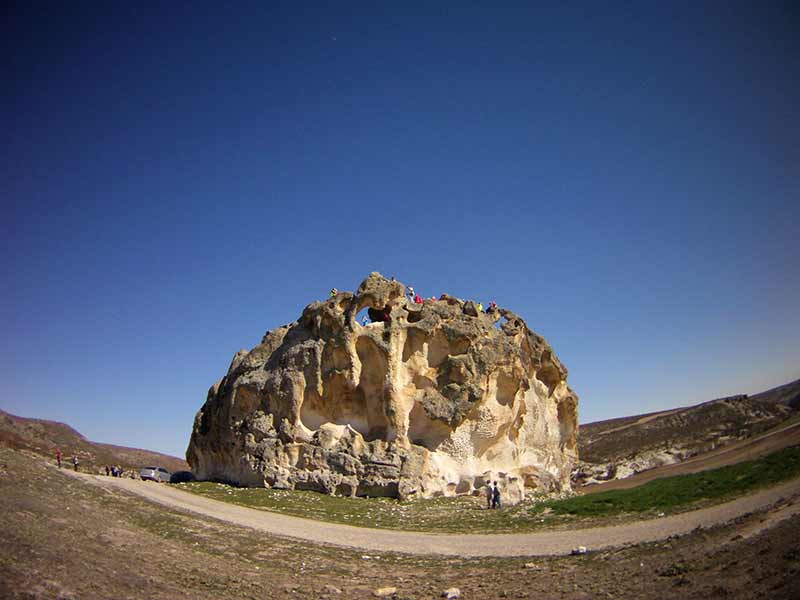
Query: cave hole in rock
pixel 372 386
pixel 379 315
pixel 424 431
pixel 246 400
pixel 413 316
pixel 464 486
pixel 338 409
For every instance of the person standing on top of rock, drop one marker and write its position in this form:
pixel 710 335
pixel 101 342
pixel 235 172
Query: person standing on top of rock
pixel 334 291
pixel 417 299
pixel 411 292
pixel 492 307
pixel 480 306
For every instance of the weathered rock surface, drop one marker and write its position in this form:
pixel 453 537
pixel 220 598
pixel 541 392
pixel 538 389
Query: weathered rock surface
pixel 439 399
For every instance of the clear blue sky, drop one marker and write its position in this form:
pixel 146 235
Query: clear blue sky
pixel 178 179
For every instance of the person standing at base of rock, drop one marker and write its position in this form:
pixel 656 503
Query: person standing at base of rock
pixel 75 462
pixel 489 495
pixel 496 501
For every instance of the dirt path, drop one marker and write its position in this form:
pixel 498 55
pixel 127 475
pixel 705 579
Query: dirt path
pixel 380 540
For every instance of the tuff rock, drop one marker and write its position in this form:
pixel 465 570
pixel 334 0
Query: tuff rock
pixel 430 399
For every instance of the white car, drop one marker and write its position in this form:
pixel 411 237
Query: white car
pixel 159 474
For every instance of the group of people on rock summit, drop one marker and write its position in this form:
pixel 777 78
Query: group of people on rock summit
pixel 377 316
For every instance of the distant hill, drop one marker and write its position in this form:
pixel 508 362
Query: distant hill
pixel 618 448
pixel 43 437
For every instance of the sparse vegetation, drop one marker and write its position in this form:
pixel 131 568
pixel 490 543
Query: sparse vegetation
pixel 685 491
pixel 95 542
pixel 454 514
pixel 694 429
pixel 467 514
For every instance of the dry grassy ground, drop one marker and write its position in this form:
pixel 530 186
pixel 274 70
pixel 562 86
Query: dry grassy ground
pixel 63 538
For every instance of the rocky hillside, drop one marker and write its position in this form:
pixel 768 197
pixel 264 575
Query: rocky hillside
pixel 618 448
pixel 43 437
pixel 435 397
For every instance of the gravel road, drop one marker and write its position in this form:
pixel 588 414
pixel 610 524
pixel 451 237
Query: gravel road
pixel 472 545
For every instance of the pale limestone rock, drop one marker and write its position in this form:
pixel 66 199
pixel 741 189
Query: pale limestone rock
pixel 438 400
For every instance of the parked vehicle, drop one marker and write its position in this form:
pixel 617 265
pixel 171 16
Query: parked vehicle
pixel 159 474
pixel 181 477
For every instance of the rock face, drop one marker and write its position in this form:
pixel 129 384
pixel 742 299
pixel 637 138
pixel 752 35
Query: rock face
pixel 430 399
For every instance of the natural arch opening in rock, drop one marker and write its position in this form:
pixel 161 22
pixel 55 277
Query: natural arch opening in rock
pixel 379 315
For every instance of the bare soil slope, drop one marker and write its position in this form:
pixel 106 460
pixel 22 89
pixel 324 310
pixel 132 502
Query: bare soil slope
pixel 618 447
pixel 748 449
pixel 44 437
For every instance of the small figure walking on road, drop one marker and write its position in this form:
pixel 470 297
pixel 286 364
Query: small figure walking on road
pixel 58 457
pixel 108 471
pixel 496 502
pixel 75 462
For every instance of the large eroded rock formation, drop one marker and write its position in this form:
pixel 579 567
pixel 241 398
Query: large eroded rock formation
pixel 437 400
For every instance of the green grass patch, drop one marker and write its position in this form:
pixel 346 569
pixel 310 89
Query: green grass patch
pixel 452 514
pixel 467 514
pixel 685 490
